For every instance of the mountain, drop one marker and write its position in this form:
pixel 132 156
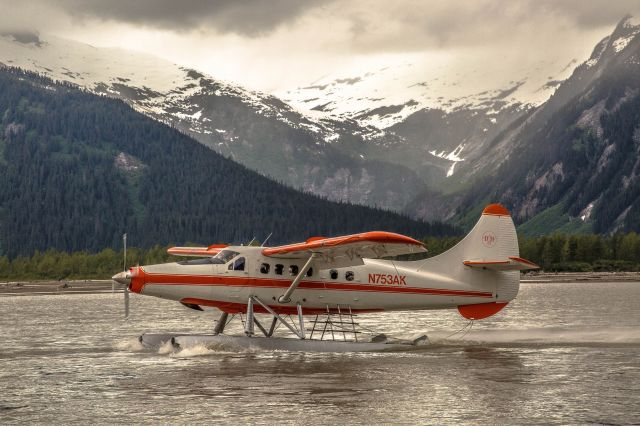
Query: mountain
pixel 380 138
pixel 77 170
pixel 433 138
pixel 574 163
pixel 384 96
pixel 435 112
pixel 255 129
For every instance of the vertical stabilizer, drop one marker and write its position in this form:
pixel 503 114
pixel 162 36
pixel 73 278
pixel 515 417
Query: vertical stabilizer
pixel 489 258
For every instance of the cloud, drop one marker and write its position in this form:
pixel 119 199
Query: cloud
pixel 251 18
pixel 440 24
pixel 366 25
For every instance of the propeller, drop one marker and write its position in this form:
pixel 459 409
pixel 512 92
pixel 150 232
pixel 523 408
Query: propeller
pixel 124 278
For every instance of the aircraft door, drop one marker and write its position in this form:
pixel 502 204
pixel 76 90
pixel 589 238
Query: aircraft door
pixel 238 271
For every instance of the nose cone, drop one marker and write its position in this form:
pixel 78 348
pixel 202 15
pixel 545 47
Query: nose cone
pixel 123 278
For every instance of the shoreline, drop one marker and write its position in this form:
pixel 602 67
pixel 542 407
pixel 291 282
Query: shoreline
pixel 48 287
pixel 579 277
pixel 64 287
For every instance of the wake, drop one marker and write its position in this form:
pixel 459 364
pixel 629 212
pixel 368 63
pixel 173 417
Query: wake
pixel 548 336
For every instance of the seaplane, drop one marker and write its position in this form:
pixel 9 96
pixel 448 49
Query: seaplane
pixel 313 291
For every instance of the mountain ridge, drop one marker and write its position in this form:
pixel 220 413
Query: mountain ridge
pixel 578 153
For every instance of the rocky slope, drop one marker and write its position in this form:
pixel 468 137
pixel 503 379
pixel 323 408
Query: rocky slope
pixel 574 163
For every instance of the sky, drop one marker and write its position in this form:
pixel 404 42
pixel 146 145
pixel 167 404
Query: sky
pixel 281 44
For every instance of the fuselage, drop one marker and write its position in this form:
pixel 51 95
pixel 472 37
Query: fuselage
pixel 376 285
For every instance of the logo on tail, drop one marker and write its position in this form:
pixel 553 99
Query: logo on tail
pixel 489 239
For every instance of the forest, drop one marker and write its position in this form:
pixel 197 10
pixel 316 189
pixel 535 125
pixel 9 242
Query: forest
pixel 555 253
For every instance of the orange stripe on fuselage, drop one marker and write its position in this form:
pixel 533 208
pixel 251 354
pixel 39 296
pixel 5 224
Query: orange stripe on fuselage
pixel 215 280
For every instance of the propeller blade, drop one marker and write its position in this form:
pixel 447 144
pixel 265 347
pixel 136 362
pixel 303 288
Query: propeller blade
pixel 126 303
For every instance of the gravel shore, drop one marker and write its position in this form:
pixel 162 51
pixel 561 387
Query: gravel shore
pixel 30 288
pixel 578 277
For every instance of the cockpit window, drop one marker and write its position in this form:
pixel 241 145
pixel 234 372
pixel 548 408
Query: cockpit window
pixel 238 264
pixel 224 256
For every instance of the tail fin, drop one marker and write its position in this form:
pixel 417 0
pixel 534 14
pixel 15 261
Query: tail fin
pixel 493 243
pixel 488 257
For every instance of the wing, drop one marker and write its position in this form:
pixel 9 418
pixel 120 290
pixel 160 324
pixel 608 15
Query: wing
pixel 348 250
pixel 510 264
pixel 212 250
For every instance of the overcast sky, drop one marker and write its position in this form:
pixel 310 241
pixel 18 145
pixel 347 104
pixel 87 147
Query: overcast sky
pixel 274 45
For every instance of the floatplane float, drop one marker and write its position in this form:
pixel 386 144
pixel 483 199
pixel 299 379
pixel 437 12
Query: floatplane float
pixel 314 290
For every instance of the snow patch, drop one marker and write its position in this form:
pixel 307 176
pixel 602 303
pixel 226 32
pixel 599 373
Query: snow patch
pixel 622 42
pixel 591 62
pixel 632 21
pixel 453 156
pixel 586 213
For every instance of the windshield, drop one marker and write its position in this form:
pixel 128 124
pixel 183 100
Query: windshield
pixel 224 256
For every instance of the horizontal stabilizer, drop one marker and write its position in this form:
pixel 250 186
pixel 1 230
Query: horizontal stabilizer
pixel 512 263
pixel 210 251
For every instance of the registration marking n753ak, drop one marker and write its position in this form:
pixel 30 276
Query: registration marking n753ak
pixel 387 279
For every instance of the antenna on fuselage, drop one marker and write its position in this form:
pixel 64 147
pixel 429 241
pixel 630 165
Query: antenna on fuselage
pixel 266 239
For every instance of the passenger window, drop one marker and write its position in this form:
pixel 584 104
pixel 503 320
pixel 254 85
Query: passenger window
pixel 349 275
pixel 310 272
pixel 333 274
pixel 264 268
pixel 238 264
pixel 293 270
pixel 278 269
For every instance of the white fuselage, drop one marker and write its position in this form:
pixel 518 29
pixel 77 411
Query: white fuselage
pixel 377 285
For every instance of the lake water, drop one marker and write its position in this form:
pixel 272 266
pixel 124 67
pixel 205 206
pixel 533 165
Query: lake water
pixel 560 353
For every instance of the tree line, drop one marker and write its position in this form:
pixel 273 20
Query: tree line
pixel 583 253
pixel 558 252
pixel 569 253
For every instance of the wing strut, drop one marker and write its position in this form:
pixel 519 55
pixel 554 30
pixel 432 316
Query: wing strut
pixel 286 297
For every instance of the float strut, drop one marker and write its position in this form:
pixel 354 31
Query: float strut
pixel 274 321
pixel 248 325
pixel 222 322
pixel 301 320
pixel 276 316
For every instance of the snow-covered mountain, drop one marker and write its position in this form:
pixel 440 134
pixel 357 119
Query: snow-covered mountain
pixel 152 85
pixel 255 129
pixel 435 112
pixel 573 164
pixel 447 81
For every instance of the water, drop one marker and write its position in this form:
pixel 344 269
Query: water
pixel 561 353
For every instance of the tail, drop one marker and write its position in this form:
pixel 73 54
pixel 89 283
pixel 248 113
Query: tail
pixel 489 258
